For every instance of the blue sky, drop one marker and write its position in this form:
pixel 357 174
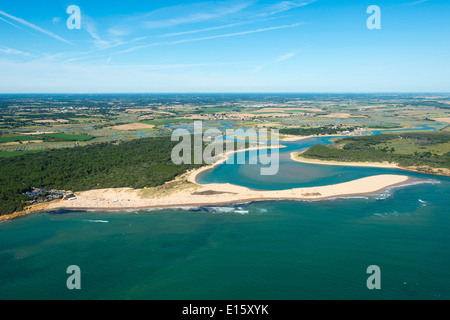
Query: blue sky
pixel 224 46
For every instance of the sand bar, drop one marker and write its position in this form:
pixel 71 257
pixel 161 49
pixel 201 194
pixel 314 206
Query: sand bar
pixel 297 157
pixel 289 137
pixel 218 194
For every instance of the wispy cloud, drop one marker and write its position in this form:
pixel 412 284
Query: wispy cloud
pixel 90 27
pixel 204 29
pixel 281 58
pixel 13 51
pixel 35 27
pixel 191 13
pixel 14 25
pixel 177 15
pixel 286 5
pixel 181 65
pixel 225 26
pixel 286 56
pixel 415 2
pixel 212 37
pixel 241 33
pixel 114 36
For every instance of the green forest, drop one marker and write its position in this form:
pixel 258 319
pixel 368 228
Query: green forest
pixel 407 149
pixel 312 131
pixel 138 163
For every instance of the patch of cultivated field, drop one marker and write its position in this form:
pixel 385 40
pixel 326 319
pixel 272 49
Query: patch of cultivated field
pixel 299 109
pixel 342 116
pixel 443 120
pixel 133 126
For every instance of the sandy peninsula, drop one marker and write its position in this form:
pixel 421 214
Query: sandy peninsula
pixel 288 137
pixel 296 156
pixel 184 194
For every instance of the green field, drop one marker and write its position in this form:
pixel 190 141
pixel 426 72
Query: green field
pixel 210 110
pixel 18 153
pixel 84 119
pixel 53 137
pixel 19 138
pixel 66 137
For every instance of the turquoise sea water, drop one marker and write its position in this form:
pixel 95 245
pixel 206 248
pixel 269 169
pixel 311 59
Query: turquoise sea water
pixel 260 250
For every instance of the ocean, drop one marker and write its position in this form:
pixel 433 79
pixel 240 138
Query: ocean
pixel 260 250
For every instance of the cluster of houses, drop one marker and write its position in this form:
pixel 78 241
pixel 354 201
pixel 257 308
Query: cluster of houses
pixel 37 195
pixel 356 132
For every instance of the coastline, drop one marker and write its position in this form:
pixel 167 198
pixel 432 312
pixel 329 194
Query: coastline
pixel 27 211
pixel 242 201
pixel 220 194
pixel 185 191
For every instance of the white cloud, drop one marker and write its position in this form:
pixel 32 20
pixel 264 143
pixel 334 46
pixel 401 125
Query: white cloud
pixel 287 5
pixel 14 25
pixel 13 51
pixel 191 13
pixel 230 25
pixel 203 30
pixel 116 32
pixel 286 56
pixel 90 27
pixel 213 37
pixel 281 58
pixel 32 26
pixel 415 2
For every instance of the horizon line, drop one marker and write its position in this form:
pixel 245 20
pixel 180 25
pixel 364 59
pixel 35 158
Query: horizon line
pixel 239 92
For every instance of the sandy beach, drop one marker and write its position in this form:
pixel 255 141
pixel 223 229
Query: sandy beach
pixel 192 194
pixel 288 137
pixel 297 157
